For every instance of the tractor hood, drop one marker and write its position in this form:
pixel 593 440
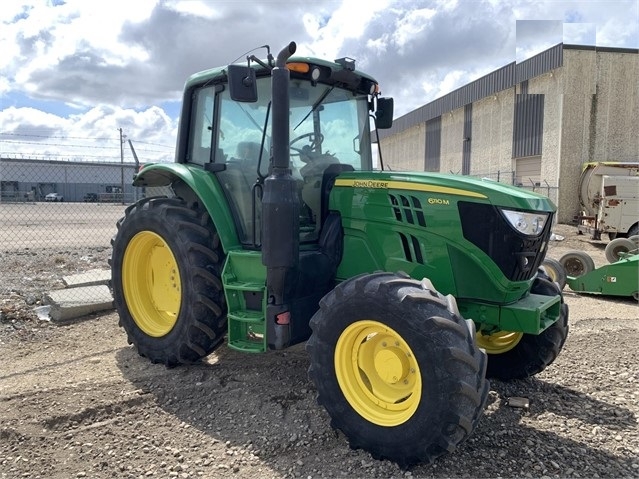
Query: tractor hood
pixel 442 188
pixel 476 239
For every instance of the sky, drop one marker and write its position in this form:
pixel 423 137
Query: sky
pixel 76 74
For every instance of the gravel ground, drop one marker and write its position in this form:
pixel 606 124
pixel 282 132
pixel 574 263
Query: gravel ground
pixel 77 401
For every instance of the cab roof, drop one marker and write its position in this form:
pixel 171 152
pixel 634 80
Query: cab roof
pixel 219 74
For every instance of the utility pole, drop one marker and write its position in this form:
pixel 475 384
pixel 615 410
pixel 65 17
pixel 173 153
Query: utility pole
pixel 122 163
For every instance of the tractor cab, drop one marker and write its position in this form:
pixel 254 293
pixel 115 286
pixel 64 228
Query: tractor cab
pixel 329 129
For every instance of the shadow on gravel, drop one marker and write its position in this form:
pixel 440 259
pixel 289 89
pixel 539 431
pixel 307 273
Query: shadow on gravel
pixel 266 403
pixel 532 446
pixel 57 364
pixel 563 402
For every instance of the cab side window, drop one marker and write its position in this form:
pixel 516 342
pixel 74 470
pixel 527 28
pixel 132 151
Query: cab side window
pixel 240 134
pixel 202 121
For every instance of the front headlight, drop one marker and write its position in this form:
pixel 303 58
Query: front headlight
pixel 531 224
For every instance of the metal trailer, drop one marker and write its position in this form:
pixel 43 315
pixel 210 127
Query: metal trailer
pixel 615 279
pixel 618 278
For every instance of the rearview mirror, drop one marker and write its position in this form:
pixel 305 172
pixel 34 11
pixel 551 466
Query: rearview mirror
pixel 384 113
pixel 242 84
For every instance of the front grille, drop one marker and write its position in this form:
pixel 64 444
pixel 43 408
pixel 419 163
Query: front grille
pixel 517 256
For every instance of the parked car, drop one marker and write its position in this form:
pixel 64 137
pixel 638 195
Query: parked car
pixel 54 197
pixel 90 197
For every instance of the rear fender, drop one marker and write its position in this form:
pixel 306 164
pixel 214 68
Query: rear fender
pixel 204 185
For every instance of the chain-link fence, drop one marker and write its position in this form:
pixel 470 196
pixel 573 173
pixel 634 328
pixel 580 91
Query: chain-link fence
pixel 508 177
pixel 57 219
pixel 53 204
pixel 500 176
pixel 48 204
pixel 545 189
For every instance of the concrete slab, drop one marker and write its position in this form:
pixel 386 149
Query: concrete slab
pixel 75 302
pixel 89 278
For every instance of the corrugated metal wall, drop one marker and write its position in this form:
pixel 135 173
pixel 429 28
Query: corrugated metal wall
pixel 433 144
pixel 539 64
pixel 468 135
pixel 528 125
pixel 482 87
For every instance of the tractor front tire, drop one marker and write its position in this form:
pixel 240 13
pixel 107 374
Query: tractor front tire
pixel 396 367
pixel 515 355
pixel 166 266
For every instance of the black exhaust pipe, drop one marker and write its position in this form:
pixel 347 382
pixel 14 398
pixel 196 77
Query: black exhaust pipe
pixel 280 213
pixel 280 106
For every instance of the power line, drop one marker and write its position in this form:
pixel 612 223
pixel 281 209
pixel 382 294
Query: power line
pixel 60 155
pixel 65 157
pixel 60 137
pixel 78 138
pixel 66 145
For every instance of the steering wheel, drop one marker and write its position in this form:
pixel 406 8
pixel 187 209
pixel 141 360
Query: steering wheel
pixel 315 140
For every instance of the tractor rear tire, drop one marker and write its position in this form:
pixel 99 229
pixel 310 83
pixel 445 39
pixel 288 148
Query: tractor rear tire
pixel 396 367
pixel 513 355
pixel 166 266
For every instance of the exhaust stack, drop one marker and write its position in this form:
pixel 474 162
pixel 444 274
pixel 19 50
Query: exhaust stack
pixel 280 212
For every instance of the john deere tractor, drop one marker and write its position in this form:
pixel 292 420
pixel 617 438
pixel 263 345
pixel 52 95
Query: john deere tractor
pixel 409 288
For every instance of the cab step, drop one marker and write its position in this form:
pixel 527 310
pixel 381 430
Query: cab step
pixel 244 279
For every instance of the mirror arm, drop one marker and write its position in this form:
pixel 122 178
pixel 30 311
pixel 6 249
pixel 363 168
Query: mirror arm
pixel 257 60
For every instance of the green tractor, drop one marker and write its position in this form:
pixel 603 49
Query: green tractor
pixel 280 231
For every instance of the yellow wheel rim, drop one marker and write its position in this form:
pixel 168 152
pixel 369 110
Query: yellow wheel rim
pixel 498 343
pixel 378 373
pixel 151 283
pixel 552 273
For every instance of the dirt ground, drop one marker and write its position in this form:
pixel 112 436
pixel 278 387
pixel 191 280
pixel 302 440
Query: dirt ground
pixel 77 401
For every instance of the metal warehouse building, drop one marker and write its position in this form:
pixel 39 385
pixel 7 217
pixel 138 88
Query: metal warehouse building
pixel 532 124
pixel 32 179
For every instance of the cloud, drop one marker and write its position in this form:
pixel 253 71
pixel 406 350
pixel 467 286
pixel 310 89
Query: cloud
pixel 580 33
pixel 440 41
pixel 44 124
pixel 411 25
pixel 93 135
pixel 328 30
pixel 93 67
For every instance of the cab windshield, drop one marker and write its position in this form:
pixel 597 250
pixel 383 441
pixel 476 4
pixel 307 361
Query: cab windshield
pixel 323 121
